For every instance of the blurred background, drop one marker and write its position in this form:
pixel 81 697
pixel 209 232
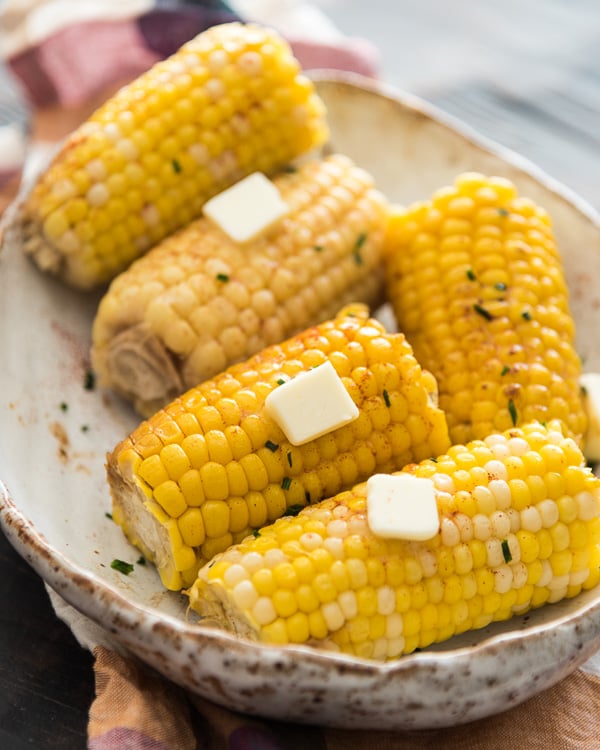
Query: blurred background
pixel 525 73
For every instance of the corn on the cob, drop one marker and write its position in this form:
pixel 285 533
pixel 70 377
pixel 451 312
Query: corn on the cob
pixel 477 285
pixel 199 302
pixel 519 527
pixel 230 102
pixel 213 465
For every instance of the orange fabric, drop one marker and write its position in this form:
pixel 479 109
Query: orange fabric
pixel 135 698
pixel 564 717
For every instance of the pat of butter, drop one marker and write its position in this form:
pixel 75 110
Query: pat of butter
pixel 590 382
pixel 247 209
pixel 311 404
pixel 402 506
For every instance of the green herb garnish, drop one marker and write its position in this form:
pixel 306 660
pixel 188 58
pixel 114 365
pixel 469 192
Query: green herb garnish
pixel 386 398
pixel 471 274
pixel 121 566
pixel 506 551
pixel 503 212
pixel 293 510
pixel 500 286
pixel 141 560
pixel 222 277
pixel 505 370
pixel 255 533
pixel 281 381
pixel 286 483
pixel 289 458
pixel 109 516
pixel 85 427
pixel 358 259
pixel 176 166
pixel 271 446
pixel 512 410
pixel 64 406
pixel 89 380
pixel 526 315
pixel 483 312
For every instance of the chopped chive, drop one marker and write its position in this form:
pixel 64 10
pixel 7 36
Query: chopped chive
pixel 289 458
pixel 122 566
pixel 583 390
pixel 386 398
pixel 281 381
pixel 471 274
pixel 503 212
pixel 141 560
pixel 358 259
pixel 500 286
pixel 222 277
pixel 319 248
pixel 176 166
pixel 434 459
pixel 526 315
pixel 85 427
pixel 506 551
pixel 360 240
pixel 271 446
pixel 109 516
pixel 64 406
pixel 543 422
pixel 89 380
pixel 255 534
pixel 483 312
pixel 307 496
pixel 293 510
pixel 286 483
pixel 512 409
pixel 505 370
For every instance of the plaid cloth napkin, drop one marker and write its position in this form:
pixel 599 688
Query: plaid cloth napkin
pixel 64 59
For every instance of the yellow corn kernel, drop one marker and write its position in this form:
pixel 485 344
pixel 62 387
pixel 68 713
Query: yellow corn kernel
pixel 482 298
pixel 199 302
pixel 379 598
pixel 233 490
pixel 147 160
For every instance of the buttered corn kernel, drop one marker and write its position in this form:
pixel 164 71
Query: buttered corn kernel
pixel 477 284
pixel 144 163
pixel 199 302
pixel 380 598
pixel 218 470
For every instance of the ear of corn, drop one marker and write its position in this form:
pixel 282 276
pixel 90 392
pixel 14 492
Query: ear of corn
pixel 230 102
pixel 477 285
pixel 212 466
pixel 199 302
pixel 519 527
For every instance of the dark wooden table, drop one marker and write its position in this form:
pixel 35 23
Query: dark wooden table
pixel 526 73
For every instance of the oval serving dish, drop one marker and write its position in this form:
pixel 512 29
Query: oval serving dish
pixel 54 499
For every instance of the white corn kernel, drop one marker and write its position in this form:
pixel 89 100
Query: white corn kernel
pixel 548 513
pixel 386 600
pixel 245 595
pixel 333 615
pixel 264 611
pixel 531 519
pixel 234 574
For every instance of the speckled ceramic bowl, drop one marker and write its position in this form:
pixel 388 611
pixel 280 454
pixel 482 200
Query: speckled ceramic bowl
pixel 53 499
